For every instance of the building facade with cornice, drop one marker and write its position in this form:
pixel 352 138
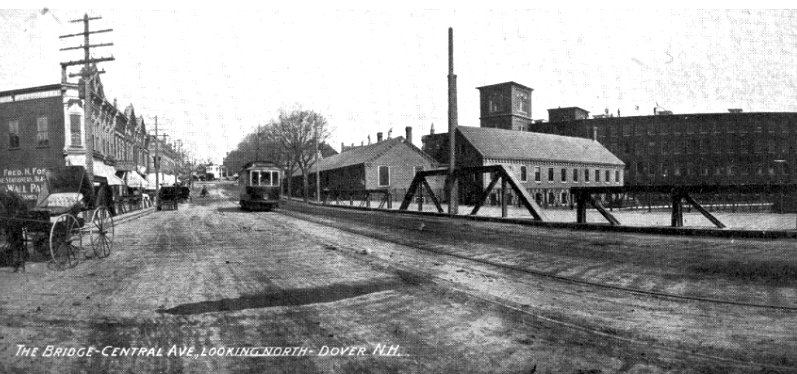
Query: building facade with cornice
pixel 44 126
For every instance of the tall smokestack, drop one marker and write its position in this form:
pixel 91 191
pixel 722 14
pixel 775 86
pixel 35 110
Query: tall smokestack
pixel 408 130
pixel 453 203
pixel 378 137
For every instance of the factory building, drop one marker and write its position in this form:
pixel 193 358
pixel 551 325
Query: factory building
pixel 546 165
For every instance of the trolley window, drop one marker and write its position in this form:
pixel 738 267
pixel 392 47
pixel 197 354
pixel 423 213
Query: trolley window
pixel 264 178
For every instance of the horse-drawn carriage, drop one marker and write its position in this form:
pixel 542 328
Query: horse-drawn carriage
pixel 69 211
pixel 168 197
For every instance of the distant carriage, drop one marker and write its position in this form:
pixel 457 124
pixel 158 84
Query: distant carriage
pixel 259 184
pixel 168 197
pixel 69 209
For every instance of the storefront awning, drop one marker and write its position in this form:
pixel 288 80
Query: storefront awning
pixel 134 180
pixel 164 180
pixel 109 173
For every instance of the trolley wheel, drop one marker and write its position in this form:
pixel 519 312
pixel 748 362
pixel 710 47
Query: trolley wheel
pixel 101 232
pixel 63 235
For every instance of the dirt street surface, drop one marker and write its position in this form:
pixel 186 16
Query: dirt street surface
pixel 209 288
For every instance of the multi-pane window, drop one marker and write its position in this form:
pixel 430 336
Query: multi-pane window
pixel 597 175
pixel 586 175
pixel 564 175
pixel 384 176
pixel 550 174
pixel 537 176
pixel 608 176
pixel 13 134
pixel 523 173
pixel 74 125
pixel 575 175
pixel 264 178
pixel 617 176
pixel 42 133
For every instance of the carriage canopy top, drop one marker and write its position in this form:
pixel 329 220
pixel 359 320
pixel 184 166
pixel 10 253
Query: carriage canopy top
pixel 65 187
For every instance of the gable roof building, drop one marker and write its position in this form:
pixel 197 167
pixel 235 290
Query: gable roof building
pixel 547 165
pixel 386 165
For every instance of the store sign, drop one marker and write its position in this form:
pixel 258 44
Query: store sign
pixel 26 182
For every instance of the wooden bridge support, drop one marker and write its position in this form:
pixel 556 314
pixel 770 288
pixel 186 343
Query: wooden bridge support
pixel 582 198
pixel 497 171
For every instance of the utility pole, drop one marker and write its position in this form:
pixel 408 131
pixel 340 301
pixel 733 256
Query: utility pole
pixel 86 74
pixel 156 161
pixel 317 172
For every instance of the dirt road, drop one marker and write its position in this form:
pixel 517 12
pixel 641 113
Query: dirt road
pixel 278 293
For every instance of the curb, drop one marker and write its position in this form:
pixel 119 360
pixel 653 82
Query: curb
pixel 132 215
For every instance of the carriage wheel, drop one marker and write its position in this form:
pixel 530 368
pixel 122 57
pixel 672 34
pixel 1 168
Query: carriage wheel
pixel 65 241
pixel 101 232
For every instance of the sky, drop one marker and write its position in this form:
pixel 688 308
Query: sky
pixel 212 75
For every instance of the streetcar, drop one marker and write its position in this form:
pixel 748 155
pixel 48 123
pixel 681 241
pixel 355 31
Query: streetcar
pixel 259 185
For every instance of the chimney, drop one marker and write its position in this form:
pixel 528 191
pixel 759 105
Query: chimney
pixel 342 147
pixel 595 133
pixel 408 130
pixel 431 130
pixel 453 193
pixel 378 137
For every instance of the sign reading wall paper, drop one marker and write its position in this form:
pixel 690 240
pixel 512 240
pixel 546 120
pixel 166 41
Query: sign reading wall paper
pixel 26 182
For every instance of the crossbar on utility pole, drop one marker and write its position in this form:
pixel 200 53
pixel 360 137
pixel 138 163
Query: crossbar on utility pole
pixel 90 46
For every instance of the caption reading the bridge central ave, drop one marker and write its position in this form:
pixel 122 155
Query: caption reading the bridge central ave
pixel 385 350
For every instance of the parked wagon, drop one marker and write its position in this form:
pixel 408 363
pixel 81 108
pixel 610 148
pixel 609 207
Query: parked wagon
pixel 67 215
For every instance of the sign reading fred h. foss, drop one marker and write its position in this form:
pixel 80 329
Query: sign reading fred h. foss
pixel 25 181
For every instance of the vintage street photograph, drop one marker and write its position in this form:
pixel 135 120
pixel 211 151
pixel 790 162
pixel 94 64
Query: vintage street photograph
pixel 354 188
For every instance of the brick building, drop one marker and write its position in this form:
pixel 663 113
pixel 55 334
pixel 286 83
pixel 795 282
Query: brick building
pixel 42 127
pixel 387 164
pixel 689 149
pixel 684 149
pixel 546 165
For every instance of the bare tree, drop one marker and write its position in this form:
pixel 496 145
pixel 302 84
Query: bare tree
pixel 297 133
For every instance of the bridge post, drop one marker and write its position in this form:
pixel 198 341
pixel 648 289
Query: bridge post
pixel 677 219
pixel 503 198
pixel 581 206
